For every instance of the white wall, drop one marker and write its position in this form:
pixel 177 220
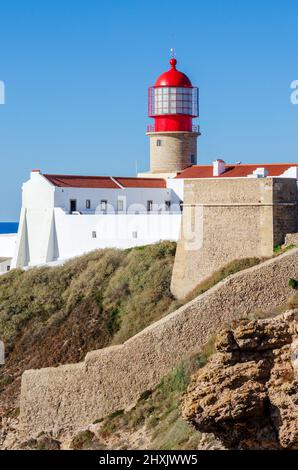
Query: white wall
pixel 74 232
pixel 47 232
pixel 7 245
pixel 177 186
pixel 36 218
pixel 131 195
pixel 7 250
pixel 290 173
pixel 5 266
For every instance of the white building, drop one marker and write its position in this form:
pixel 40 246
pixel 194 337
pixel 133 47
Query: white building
pixel 63 216
pixel 7 251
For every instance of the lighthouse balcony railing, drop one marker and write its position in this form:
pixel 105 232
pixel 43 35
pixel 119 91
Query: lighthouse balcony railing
pixel 151 128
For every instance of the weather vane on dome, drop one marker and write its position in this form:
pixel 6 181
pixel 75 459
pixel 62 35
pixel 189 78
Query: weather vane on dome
pixel 173 53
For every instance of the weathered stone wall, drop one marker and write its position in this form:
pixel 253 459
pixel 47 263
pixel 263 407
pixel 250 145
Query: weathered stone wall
pixel 285 217
pixel 174 153
pixel 69 397
pixel 228 219
pixel 291 239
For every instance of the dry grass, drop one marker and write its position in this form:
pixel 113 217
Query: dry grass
pixel 50 316
pixel 293 302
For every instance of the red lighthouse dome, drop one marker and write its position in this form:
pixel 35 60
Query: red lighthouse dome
pixel 173 77
pixel 173 101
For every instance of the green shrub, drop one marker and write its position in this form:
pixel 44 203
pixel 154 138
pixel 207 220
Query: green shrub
pixel 43 442
pixel 279 249
pixel 125 290
pixel 83 440
pixel 293 283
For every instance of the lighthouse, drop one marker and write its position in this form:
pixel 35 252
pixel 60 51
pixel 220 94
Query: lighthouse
pixel 173 103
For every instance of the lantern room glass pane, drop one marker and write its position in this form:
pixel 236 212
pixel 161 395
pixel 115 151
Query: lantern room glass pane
pixel 171 100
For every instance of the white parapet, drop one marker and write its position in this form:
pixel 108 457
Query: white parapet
pixel 7 249
pixel 78 234
pixel 7 245
pixel 63 236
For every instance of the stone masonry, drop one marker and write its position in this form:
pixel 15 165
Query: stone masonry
pixel 228 219
pixel 70 397
pixel 174 151
pixel 291 239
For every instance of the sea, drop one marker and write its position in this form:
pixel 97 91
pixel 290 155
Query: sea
pixel 9 227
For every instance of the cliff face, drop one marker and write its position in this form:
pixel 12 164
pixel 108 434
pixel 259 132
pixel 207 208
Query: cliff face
pixel 247 395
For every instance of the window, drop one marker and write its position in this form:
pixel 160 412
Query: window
pixel 193 159
pixel 134 234
pixel 168 205
pixel 120 205
pixel 94 234
pixel 158 143
pixel 173 100
pixel 88 204
pixel 149 206
pixel 73 206
pixel 104 205
pixel 7 268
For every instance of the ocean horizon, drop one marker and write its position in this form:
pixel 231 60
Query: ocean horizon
pixel 8 227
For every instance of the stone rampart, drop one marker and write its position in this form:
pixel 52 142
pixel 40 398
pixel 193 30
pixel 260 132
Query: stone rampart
pixel 70 397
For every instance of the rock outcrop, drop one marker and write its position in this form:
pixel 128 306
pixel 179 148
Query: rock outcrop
pixel 247 395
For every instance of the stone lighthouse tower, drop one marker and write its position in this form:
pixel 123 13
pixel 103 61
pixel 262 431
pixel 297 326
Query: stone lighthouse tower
pixel 172 103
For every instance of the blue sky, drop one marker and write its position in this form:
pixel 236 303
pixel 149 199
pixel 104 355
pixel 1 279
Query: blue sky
pixel 76 76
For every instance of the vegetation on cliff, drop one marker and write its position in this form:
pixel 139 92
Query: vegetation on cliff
pixel 159 411
pixel 155 422
pixel 51 316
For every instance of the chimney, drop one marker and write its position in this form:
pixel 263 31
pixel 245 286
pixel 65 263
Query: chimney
pixel 219 167
pixel 259 173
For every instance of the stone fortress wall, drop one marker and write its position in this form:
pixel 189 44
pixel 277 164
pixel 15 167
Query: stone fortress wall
pixel 291 239
pixel 70 397
pixel 228 219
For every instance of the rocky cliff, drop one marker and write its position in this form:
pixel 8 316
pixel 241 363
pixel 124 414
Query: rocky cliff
pixel 247 395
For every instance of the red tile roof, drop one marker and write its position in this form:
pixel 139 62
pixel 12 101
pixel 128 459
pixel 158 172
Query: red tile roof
pixel 73 181
pixel 142 182
pixel 234 171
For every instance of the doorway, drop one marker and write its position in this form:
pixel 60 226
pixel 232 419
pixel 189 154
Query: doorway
pixel 73 205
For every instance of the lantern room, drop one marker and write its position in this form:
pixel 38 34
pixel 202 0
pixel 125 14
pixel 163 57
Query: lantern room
pixel 173 102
